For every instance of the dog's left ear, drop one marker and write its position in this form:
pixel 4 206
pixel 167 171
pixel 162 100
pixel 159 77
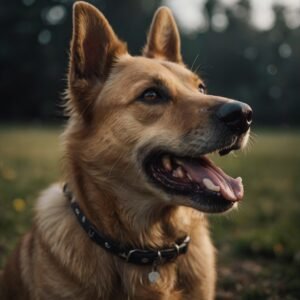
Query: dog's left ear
pixel 94 49
pixel 163 39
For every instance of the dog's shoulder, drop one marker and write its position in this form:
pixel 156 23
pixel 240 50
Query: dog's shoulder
pixel 54 220
pixel 51 201
pixel 53 216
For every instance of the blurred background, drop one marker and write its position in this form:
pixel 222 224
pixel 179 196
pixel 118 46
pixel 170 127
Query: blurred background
pixel 244 49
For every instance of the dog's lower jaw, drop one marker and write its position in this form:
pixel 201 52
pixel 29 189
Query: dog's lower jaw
pixel 189 277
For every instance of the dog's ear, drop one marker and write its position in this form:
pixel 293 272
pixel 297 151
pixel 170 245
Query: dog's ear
pixel 163 39
pixel 94 47
pixel 94 44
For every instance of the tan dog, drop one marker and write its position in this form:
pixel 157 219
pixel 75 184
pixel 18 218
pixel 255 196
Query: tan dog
pixel 131 224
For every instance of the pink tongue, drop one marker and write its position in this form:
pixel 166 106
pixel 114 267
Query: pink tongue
pixel 231 189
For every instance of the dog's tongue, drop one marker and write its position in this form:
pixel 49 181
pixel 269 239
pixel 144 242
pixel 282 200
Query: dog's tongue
pixel 205 173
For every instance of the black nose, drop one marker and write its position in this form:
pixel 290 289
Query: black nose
pixel 236 115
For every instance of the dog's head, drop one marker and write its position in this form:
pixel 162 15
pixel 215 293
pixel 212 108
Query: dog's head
pixel 143 126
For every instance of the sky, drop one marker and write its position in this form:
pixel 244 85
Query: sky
pixel 192 16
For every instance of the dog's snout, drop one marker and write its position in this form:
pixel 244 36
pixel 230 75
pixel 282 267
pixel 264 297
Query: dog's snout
pixel 236 115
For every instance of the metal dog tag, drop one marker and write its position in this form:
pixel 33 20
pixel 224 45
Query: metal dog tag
pixel 153 276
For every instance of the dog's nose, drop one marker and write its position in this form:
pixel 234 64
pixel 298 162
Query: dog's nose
pixel 236 115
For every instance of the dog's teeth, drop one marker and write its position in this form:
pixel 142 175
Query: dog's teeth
pixel 180 163
pixel 240 179
pixel 178 173
pixel 167 163
pixel 210 185
pixel 189 176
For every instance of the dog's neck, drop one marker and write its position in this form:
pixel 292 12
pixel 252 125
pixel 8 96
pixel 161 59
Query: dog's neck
pixel 138 221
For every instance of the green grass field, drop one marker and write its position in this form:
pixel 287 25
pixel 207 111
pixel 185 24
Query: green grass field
pixel 258 245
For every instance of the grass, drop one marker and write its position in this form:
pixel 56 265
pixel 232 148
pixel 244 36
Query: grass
pixel 29 161
pixel 259 245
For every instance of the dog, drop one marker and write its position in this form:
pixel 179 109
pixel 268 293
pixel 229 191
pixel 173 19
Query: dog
pixel 129 222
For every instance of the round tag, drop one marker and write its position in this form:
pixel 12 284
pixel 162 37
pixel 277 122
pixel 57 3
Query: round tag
pixel 153 276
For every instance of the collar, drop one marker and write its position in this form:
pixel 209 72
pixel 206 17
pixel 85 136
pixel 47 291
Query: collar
pixel 130 255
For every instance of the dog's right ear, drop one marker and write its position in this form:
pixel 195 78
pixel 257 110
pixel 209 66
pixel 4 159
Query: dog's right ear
pixel 163 39
pixel 94 48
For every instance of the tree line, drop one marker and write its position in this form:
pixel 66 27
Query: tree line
pixel 258 67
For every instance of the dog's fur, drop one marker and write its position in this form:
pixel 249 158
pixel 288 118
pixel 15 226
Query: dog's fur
pixel 108 134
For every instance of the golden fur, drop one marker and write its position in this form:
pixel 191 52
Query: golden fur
pixel 105 136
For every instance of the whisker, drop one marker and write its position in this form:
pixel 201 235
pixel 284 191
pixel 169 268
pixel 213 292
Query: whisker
pixel 114 165
pixel 195 60
pixel 197 69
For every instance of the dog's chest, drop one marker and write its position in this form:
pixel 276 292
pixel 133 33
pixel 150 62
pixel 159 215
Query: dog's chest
pixel 168 283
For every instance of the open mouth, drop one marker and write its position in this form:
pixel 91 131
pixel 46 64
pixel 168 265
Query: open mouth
pixel 208 187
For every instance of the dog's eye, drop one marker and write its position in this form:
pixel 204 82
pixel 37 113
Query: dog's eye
pixel 153 96
pixel 150 95
pixel 202 88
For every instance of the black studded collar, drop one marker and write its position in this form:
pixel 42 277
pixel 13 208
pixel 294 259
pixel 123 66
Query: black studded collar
pixel 130 255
